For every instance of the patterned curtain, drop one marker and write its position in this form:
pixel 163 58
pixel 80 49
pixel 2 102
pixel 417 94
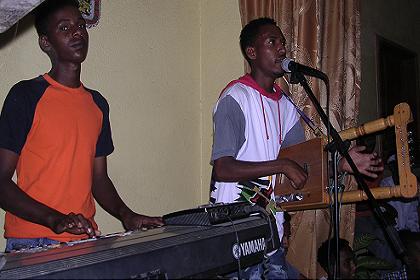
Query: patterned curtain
pixel 325 35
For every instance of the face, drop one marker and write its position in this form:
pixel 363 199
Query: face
pixel 67 39
pixel 268 51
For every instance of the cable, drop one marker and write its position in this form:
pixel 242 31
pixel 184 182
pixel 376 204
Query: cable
pixel 237 242
pixel 329 236
pixel 266 258
pixel 340 188
pixel 266 213
pixel 258 191
pixel 267 217
pixel 334 187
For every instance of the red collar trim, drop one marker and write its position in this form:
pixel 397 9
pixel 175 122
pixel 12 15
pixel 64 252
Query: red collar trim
pixel 249 81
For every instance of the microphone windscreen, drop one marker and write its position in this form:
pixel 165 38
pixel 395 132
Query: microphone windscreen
pixel 285 64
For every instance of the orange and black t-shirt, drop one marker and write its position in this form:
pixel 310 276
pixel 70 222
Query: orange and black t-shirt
pixel 57 132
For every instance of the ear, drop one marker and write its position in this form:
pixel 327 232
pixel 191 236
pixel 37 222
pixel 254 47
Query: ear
pixel 44 44
pixel 250 52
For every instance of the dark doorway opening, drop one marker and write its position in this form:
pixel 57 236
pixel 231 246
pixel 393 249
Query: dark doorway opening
pixel 398 81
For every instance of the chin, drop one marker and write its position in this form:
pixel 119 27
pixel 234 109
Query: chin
pixel 79 59
pixel 278 74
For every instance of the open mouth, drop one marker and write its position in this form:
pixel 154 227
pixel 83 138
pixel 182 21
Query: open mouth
pixel 78 45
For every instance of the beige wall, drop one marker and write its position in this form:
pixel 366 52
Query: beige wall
pixel 161 64
pixel 221 62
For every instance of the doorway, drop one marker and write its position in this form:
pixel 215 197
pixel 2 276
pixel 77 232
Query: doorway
pixel 398 81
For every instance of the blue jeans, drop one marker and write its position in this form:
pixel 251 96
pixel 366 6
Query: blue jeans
pixel 15 244
pixel 274 267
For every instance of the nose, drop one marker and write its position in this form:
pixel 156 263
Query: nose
pixel 77 32
pixel 281 48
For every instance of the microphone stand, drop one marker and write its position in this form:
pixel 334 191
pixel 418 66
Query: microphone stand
pixel 339 145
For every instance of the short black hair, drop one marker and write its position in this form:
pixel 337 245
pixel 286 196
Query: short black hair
pixel 250 32
pixel 323 251
pixel 46 9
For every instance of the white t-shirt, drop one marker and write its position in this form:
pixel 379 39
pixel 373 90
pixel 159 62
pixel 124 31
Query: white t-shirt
pixel 257 124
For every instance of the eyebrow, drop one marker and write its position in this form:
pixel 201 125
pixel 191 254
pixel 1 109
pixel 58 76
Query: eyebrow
pixel 282 39
pixel 268 35
pixel 67 20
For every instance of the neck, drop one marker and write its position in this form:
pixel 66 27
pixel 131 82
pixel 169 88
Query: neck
pixel 68 75
pixel 267 83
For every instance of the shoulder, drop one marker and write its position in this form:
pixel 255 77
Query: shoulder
pixel 237 94
pixel 228 106
pixel 95 94
pixel 236 90
pixel 26 87
pixel 230 100
pixel 27 91
pixel 99 99
pixel 288 107
pixel 288 102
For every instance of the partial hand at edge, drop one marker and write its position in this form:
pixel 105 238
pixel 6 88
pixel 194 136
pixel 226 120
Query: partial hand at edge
pixel 369 164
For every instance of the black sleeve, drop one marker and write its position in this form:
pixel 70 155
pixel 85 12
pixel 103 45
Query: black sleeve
pixel 104 145
pixel 18 113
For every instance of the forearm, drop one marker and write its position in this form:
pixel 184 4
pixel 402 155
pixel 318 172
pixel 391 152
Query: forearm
pixel 108 198
pixel 17 202
pixel 227 169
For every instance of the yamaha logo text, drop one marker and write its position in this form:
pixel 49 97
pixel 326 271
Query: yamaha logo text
pixel 248 248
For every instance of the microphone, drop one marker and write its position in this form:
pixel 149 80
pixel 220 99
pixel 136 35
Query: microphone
pixel 290 66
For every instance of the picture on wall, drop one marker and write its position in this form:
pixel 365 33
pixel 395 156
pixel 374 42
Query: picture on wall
pixel 91 11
